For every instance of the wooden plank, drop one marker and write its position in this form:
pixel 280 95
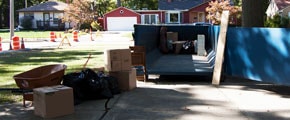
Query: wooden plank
pixel 220 48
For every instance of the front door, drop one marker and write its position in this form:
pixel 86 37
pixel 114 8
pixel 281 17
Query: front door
pixel 46 19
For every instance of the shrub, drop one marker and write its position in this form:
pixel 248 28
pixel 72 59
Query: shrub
pixel 85 26
pixel 96 26
pixel 26 22
pixel 277 21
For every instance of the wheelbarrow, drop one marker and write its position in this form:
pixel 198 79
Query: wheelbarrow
pixel 47 75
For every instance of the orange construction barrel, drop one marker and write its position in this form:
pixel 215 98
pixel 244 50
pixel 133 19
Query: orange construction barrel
pixel 52 37
pixel 16 43
pixel 75 36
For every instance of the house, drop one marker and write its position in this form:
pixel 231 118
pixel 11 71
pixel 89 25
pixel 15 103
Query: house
pixel 121 19
pixel 280 7
pixel 169 12
pixel 183 11
pixel 46 15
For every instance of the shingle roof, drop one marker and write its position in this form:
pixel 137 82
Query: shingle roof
pixel 281 4
pixel 46 6
pixel 178 4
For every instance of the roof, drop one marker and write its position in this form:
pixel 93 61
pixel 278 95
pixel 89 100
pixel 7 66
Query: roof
pixel 179 4
pixel 281 4
pixel 46 6
pixel 120 8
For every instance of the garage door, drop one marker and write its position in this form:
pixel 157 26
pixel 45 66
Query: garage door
pixel 121 23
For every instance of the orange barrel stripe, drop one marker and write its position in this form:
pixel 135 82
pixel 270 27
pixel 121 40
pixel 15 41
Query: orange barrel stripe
pixel 52 37
pixel 75 36
pixel 16 43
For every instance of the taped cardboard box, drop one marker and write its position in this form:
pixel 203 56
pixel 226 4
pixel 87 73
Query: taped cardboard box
pixel 117 59
pixel 172 36
pixel 126 79
pixel 53 101
pixel 114 65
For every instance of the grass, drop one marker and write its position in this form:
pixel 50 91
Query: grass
pixel 15 62
pixel 34 34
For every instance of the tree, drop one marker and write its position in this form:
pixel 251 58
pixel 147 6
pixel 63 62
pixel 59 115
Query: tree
pixel 253 14
pixel 104 6
pixel 277 21
pixel 4 10
pixel 215 9
pixel 80 12
pixel 140 4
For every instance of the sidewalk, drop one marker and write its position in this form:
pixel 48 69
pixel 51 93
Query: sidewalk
pixel 113 39
pixel 241 100
pixel 180 100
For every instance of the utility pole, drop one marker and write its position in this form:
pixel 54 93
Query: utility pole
pixel 11 19
pixel 25 3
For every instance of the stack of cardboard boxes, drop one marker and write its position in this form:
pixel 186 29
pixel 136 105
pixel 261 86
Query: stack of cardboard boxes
pixel 119 64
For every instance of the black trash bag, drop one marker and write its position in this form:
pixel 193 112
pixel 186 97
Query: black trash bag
pixel 113 84
pixel 75 80
pixel 96 88
pixel 89 85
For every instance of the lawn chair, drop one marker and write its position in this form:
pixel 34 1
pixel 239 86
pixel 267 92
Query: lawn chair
pixel 138 57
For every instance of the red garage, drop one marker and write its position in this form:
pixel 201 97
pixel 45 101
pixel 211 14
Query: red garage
pixel 121 19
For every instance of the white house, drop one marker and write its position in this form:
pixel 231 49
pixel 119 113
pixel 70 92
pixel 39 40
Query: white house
pixel 46 15
pixel 280 7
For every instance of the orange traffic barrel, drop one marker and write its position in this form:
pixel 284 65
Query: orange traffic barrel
pixel 0 44
pixel 52 37
pixel 75 36
pixel 16 43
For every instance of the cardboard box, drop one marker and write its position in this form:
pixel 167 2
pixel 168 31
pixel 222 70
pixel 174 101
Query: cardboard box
pixel 53 101
pixel 172 36
pixel 118 59
pixel 114 65
pixel 126 79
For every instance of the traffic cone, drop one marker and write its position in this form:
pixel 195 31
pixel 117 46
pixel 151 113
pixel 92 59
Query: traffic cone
pixel 0 44
pixel 22 44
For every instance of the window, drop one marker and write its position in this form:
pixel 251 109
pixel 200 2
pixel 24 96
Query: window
pixel 201 17
pixel 29 14
pixel 56 17
pixel 150 19
pixel 173 17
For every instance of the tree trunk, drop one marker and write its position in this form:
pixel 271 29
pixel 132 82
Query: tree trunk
pixel 253 13
pixel 0 18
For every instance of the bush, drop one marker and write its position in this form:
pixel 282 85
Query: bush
pixel 85 26
pixel 277 21
pixel 96 26
pixel 26 22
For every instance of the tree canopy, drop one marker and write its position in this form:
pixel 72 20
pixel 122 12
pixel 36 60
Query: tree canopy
pixel 80 11
pixel 215 9
pixel 140 4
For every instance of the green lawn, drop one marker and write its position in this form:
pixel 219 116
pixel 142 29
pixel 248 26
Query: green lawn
pixel 33 34
pixel 15 62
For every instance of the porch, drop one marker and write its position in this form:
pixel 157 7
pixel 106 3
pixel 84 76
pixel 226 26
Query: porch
pixel 50 25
